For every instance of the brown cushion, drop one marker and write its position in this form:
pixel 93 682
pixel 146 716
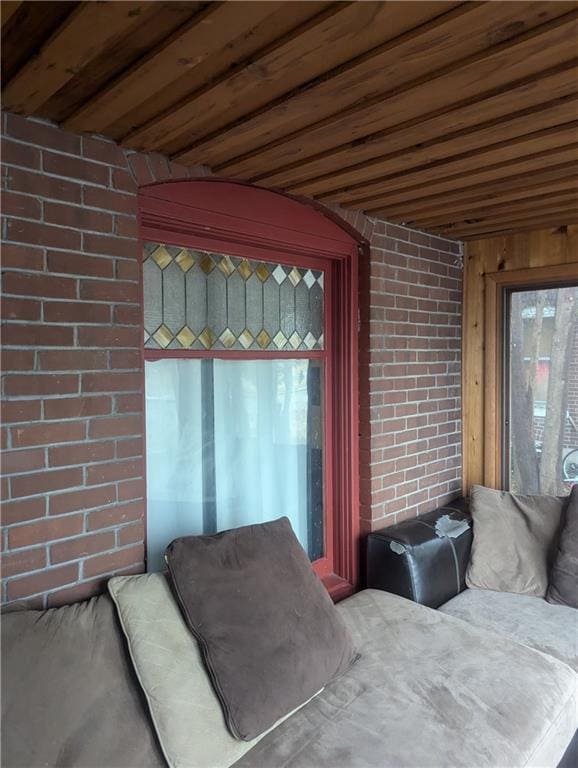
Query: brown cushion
pixel 514 541
pixel 69 693
pixel 563 586
pixel 269 633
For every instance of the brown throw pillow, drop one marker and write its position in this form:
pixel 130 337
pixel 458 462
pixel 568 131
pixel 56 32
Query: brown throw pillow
pixel 270 635
pixel 563 587
pixel 70 696
pixel 514 541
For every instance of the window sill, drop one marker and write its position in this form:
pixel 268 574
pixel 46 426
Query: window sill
pixel 337 587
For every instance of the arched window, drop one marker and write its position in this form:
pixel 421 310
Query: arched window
pixel 251 388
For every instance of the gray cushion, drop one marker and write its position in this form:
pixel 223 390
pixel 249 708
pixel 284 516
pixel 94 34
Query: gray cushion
pixel 563 586
pixel 552 629
pixel 69 695
pixel 269 633
pixel 514 541
pixel 428 690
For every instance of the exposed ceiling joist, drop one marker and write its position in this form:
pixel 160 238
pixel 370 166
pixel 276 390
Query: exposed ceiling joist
pixel 532 204
pixel 491 229
pixel 75 43
pixel 8 9
pixel 497 67
pixel 466 199
pixel 534 149
pixel 205 35
pixel 460 117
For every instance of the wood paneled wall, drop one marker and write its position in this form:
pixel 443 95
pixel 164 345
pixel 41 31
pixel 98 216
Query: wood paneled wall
pixel 540 248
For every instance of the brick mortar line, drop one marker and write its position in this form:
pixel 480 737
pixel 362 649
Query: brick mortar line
pixel 68 395
pixel 69 203
pixel 380 249
pixel 398 282
pixel 80 250
pixel 81 207
pixel 70 179
pixel 112 528
pixel 423 477
pixel 14 424
pixel 378 449
pixel 75 537
pixel 411 230
pixel 82 185
pixel 70 347
pixel 78 155
pixel 429 257
pixel 50 470
pixel 50 467
pixel 75 489
pixel 83 511
pixel 57 396
pixel 86 441
pixel 78 582
pixel 74 252
pixel 84 532
pixel 78 561
pixel 51 566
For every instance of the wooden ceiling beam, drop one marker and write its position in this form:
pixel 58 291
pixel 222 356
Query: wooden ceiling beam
pixel 536 202
pixel 33 24
pixel 299 58
pixel 462 182
pixel 497 67
pixel 354 161
pixel 505 215
pixel 451 209
pixel 207 32
pixel 521 230
pixel 159 20
pixel 562 177
pixel 220 66
pixel 554 217
pixel 455 116
pixel 525 153
pixel 77 41
pixel 412 54
pixel 559 218
pixel 7 10
pixel 274 74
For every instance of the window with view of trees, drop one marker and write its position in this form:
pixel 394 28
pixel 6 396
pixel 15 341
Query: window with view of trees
pixel 542 397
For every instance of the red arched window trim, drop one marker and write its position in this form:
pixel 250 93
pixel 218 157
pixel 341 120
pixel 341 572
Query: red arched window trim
pixel 243 220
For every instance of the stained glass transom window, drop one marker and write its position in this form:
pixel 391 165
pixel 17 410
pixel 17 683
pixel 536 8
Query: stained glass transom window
pixel 200 300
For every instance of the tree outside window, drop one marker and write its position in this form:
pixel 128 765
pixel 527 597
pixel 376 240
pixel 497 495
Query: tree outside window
pixel 543 390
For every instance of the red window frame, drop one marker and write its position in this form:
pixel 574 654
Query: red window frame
pixel 241 220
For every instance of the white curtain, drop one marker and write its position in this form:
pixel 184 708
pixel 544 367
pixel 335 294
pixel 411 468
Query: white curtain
pixel 259 447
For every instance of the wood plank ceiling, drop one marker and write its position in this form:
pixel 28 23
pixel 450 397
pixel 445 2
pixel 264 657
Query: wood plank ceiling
pixel 458 118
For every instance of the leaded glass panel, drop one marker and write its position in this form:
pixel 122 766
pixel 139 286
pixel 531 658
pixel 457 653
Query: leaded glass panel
pixel 200 300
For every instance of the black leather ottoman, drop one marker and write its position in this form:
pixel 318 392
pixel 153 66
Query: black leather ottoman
pixel 425 558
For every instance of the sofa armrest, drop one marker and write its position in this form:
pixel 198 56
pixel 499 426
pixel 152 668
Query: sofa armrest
pixel 425 558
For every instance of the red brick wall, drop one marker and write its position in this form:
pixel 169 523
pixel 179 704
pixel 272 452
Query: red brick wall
pixel 410 356
pixel 73 509
pixel 72 486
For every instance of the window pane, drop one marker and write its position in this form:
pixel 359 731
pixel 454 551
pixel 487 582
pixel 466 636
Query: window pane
pixel 543 397
pixel 199 300
pixel 233 442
